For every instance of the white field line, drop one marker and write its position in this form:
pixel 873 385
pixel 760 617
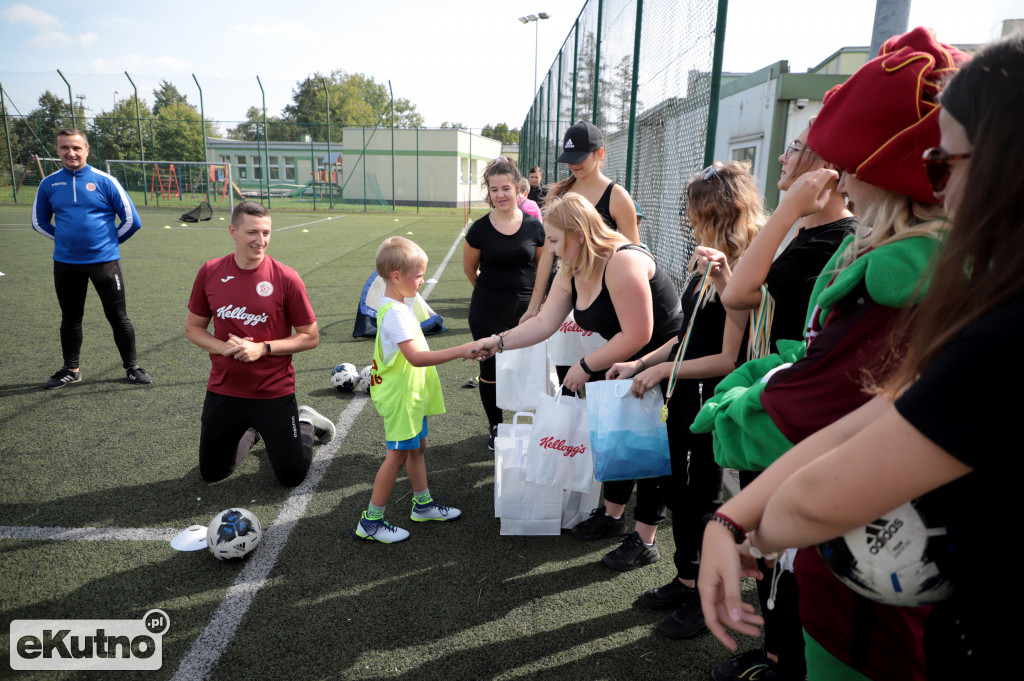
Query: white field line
pixel 207 649
pixel 305 224
pixel 87 533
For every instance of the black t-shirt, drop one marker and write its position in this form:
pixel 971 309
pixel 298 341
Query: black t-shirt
pixel 966 403
pixel 507 262
pixel 791 277
pixel 600 315
pixel 538 194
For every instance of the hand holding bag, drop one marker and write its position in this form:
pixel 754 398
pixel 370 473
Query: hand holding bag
pixel 559 452
pixel 629 438
pixel 522 377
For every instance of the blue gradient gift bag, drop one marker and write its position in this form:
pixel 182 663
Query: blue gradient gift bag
pixel 627 436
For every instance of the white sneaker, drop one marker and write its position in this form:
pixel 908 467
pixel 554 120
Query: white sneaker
pixel 434 511
pixel 323 427
pixel 379 530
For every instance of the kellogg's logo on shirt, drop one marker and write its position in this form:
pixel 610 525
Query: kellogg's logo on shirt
pixel 265 288
pixel 91 186
pixel 247 318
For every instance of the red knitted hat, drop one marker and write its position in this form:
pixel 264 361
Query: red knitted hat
pixel 877 124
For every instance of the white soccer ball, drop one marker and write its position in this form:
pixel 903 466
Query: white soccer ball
pixel 344 377
pixel 364 378
pixel 233 533
pixel 892 560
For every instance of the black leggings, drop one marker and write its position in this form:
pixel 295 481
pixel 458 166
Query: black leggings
pixel 492 311
pixel 72 285
pixel 225 422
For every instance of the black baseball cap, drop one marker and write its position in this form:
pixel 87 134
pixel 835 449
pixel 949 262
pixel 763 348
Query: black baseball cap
pixel 579 141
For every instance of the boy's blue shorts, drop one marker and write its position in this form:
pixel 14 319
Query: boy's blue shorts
pixel 411 443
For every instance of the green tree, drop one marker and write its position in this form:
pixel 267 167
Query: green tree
pixel 453 126
pixel 278 130
pixel 39 129
pixel 178 129
pixel 116 132
pixel 15 146
pixel 501 133
pixel 167 95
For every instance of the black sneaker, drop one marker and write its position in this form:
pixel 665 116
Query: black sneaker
pixel 753 664
pixel 62 378
pixel 672 595
pixel 632 554
pixel 600 525
pixel 687 621
pixel 137 374
pixel 492 433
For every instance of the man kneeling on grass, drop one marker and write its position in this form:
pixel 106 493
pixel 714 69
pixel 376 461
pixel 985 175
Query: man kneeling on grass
pixel 405 390
pixel 255 303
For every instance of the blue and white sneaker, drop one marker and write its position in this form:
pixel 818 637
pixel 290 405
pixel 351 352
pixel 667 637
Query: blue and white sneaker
pixel 421 513
pixel 379 530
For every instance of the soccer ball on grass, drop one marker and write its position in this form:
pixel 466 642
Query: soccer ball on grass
pixel 233 533
pixel 364 378
pixel 344 377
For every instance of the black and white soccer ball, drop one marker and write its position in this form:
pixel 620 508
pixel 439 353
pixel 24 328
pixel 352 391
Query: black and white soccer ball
pixel 893 559
pixel 344 377
pixel 233 533
pixel 364 378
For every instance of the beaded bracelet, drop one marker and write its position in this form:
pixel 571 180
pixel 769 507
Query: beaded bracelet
pixel 737 530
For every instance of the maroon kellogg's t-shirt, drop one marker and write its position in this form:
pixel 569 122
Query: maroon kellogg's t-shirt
pixel 263 304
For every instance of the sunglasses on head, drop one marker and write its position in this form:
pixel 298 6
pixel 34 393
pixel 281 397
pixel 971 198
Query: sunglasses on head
pixel 710 172
pixel 936 166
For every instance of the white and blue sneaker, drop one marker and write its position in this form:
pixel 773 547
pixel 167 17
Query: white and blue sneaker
pixel 432 510
pixel 379 530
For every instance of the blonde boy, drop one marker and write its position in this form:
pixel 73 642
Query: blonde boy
pixel 405 390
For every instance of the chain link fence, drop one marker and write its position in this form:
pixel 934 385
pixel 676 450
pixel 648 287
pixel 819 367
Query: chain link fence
pixel 643 72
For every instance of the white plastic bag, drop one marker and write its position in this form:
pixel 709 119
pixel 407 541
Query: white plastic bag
pixel 524 508
pixel 559 452
pixel 522 377
pixel 576 506
pixel 571 342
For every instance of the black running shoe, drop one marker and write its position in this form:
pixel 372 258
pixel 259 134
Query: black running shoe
pixel 687 621
pixel 137 374
pixel 492 433
pixel 753 664
pixel 671 595
pixel 600 525
pixel 632 554
pixel 62 378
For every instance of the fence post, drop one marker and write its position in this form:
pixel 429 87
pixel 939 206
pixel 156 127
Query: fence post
pixel 417 169
pixel 327 108
pixel 202 122
pixel 547 128
pixel 716 84
pixel 558 111
pixel 631 136
pixel 597 61
pixel 266 148
pixel 142 148
pixel 312 166
pixel 7 137
pixel 575 69
pixel 364 168
pixel 394 190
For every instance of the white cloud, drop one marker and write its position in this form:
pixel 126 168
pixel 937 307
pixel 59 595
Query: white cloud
pixel 87 39
pixel 140 63
pixel 19 13
pixel 285 30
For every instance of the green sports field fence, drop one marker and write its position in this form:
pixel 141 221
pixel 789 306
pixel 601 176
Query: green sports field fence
pixel 642 71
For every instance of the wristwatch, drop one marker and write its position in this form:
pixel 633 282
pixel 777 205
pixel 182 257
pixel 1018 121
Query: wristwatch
pixel 583 365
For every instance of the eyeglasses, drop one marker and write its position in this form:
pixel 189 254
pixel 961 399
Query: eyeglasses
pixel 936 165
pixel 791 147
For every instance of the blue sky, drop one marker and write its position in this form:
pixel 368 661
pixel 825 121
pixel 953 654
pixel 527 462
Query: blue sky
pixel 470 62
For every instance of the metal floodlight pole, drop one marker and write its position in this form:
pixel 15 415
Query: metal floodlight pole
pixel 71 99
pixel 631 135
pixel 716 83
pixel 138 124
pixel 535 18
pixel 202 121
pixel 266 149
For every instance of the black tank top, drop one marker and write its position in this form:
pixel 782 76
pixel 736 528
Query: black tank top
pixel 600 315
pixel 604 205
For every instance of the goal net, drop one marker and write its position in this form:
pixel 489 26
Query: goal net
pixel 176 183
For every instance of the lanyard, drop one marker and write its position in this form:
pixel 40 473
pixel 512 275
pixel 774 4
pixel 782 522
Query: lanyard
pixel 686 341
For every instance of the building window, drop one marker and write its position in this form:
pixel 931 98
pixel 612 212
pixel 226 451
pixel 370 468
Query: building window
pixel 275 170
pixel 257 168
pixel 243 168
pixel 289 168
pixel 746 155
